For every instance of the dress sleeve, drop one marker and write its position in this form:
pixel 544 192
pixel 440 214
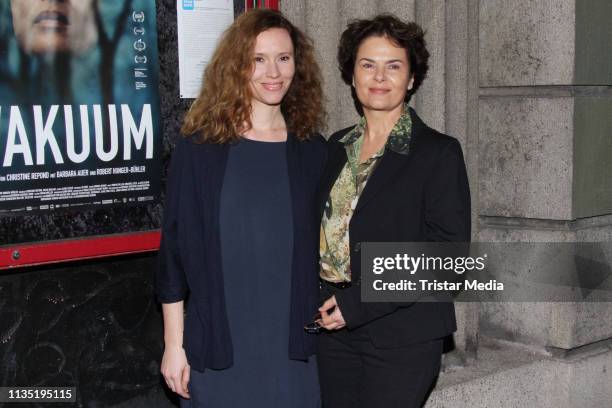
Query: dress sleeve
pixel 170 282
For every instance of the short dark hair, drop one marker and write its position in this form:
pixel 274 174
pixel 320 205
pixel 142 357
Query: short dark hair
pixel 409 36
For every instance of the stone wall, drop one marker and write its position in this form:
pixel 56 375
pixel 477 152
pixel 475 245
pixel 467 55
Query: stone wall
pixel 544 172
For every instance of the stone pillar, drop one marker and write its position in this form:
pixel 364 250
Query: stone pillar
pixel 545 142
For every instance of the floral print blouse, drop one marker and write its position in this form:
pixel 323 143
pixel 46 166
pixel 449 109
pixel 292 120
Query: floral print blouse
pixel 334 245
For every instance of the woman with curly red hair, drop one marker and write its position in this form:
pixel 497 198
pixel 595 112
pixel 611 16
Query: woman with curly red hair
pixel 239 242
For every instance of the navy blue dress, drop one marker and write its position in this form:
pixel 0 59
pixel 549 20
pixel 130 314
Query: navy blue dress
pixel 256 247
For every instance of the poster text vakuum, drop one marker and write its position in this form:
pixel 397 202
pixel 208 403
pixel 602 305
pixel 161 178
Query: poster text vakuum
pixel 134 134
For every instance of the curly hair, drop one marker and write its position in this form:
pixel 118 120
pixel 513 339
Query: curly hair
pixel 409 36
pixel 222 110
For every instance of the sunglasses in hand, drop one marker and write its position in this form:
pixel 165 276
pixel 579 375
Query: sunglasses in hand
pixel 314 327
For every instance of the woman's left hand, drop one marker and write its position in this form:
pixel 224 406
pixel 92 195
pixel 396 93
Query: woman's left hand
pixel 331 316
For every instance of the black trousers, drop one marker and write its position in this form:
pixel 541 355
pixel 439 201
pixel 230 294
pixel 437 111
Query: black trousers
pixel 353 373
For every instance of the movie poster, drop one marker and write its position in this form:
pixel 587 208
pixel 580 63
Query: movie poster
pixel 79 105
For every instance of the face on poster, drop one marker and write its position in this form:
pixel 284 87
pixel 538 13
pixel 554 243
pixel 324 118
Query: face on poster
pixel 54 26
pixel 79 105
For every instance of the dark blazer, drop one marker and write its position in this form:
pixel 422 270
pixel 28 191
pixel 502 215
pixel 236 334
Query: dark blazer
pixel 190 254
pixel 419 197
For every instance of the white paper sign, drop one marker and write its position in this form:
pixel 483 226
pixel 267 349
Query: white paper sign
pixel 200 24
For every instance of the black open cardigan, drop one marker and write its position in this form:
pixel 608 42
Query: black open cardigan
pixel 189 261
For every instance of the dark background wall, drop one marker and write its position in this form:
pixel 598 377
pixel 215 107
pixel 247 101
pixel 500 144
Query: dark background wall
pixel 94 325
pixel 91 325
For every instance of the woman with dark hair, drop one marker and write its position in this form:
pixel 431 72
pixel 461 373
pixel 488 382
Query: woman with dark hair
pixel 239 238
pixel 389 178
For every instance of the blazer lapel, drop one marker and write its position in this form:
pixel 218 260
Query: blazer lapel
pixel 390 164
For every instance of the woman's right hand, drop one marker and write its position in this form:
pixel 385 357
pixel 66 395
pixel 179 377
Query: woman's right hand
pixel 176 370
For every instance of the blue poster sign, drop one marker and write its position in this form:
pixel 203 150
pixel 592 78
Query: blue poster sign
pixel 79 105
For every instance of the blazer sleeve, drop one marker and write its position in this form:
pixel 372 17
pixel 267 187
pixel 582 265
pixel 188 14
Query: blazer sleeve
pixel 447 198
pixel 170 281
pixel 447 219
pixel 357 313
